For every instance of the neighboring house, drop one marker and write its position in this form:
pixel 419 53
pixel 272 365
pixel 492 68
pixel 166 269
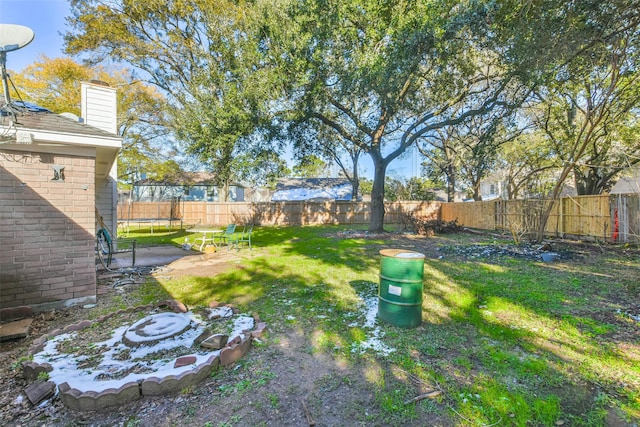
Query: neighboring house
pixel 441 195
pixel 312 189
pixel 493 187
pixel 566 191
pixel 628 184
pixel 55 172
pixel 257 194
pixel 191 186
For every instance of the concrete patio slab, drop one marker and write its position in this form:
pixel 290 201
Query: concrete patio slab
pixel 150 256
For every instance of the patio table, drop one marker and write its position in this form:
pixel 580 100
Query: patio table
pixel 207 236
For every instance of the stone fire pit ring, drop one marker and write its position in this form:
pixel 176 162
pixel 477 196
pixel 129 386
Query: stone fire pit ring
pixel 190 369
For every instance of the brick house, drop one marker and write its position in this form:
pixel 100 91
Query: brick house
pixel 54 173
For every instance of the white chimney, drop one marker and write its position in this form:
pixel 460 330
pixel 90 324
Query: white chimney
pixel 99 106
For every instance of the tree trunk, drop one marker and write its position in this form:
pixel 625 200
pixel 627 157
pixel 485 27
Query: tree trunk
pixel 477 197
pixel 544 217
pixel 579 181
pixel 355 187
pixel 451 183
pixel 510 189
pixel 376 222
pixel 355 180
pixel 223 193
pixel 594 182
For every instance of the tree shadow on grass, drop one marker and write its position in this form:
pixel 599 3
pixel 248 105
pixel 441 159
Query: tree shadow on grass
pixel 522 335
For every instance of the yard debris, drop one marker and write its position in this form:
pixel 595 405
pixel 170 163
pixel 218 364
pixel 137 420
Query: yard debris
pixel 427 391
pixel 129 275
pixel 629 314
pixel 39 390
pixel 429 227
pixel 203 336
pixel 430 395
pixel 495 250
pixel 215 342
pixel 307 414
pixel 15 330
pixel 184 361
pixel 124 281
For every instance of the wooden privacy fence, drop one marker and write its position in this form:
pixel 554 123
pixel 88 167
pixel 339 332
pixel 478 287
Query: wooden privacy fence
pixel 571 217
pixel 614 218
pixel 470 214
pixel 609 218
pixel 169 210
pixel 274 213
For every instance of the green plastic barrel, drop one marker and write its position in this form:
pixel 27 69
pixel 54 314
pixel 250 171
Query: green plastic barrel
pixel 400 290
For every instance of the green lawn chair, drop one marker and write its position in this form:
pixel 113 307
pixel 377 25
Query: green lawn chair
pixel 227 236
pixel 244 236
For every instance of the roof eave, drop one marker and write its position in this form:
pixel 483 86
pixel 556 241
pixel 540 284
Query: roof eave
pixel 105 148
pixel 67 138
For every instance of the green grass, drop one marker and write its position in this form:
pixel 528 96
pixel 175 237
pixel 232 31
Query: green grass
pixel 508 341
pixel 161 236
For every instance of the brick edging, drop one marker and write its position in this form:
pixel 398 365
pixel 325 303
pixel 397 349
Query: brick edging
pixel 153 385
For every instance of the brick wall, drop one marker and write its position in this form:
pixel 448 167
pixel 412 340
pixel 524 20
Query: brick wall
pixel 46 230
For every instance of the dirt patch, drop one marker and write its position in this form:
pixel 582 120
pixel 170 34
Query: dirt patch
pixel 177 263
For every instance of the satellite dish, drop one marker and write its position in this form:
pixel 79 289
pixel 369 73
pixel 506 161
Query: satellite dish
pixel 14 37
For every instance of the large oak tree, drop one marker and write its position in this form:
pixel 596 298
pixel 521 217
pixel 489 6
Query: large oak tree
pixel 202 54
pixel 379 75
pixel 382 75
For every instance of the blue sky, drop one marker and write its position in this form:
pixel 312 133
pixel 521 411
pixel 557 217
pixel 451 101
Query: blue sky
pixel 45 18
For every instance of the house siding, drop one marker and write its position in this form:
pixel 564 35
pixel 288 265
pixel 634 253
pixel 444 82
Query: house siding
pixel 106 201
pixel 46 230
